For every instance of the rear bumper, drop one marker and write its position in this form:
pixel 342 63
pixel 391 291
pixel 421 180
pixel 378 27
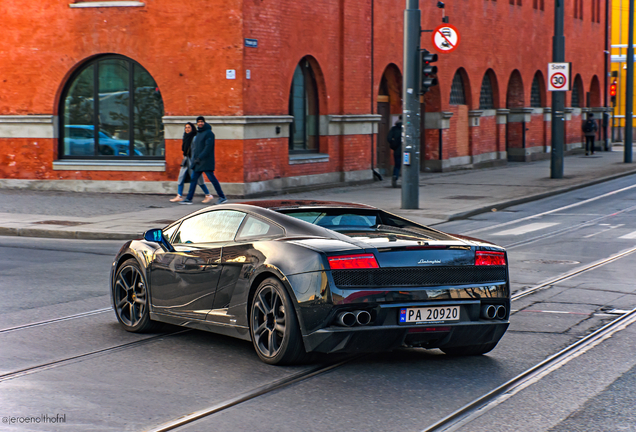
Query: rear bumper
pixel 383 338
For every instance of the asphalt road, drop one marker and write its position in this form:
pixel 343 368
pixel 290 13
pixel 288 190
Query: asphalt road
pixel 66 367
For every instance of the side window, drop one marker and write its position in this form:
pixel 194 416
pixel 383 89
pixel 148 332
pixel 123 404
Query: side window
pixel 168 233
pixel 214 226
pixel 254 227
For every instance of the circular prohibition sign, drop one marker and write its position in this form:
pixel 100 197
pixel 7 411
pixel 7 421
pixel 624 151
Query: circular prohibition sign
pixel 558 80
pixel 445 38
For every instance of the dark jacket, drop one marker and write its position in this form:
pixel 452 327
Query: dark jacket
pixel 590 127
pixel 395 141
pixel 203 149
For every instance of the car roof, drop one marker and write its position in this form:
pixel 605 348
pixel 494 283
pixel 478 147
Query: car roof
pixel 276 205
pixel 292 226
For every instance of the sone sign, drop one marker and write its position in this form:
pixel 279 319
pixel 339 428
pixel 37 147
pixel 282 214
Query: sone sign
pixel 559 76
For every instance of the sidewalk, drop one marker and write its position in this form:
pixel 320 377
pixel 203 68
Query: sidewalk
pixel 443 197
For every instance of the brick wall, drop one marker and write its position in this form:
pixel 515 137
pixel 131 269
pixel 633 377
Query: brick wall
pixel 188 46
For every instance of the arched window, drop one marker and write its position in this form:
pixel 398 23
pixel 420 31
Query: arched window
pixel 303 106
pixel 111 108
pixel 457 96
pixel 577 93
pixel 535 92
pixel 485 95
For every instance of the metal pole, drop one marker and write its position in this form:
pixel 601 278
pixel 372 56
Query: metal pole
pixel 558 97
pixel 411 107
pixel 629 91
pixel 605 80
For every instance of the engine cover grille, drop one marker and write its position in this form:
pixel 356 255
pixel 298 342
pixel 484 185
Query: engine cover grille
pixel 417 276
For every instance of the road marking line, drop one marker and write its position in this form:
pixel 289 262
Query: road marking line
pixel 556 312
pixel 630 236
pixel 527 228
pixel 550 211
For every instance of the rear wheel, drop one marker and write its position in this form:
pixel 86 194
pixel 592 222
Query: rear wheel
pixel 130 296
pixel 470 350
pixel 274 326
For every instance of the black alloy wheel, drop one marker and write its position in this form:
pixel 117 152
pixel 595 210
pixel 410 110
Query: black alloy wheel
pixel 274 326
pixel 130 298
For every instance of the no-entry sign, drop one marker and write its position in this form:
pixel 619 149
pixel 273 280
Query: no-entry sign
pixel 559 76
pixel 445 38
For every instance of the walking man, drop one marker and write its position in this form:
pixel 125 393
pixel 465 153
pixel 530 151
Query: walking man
pixel 589 129
pixel 395 141
pixel 203 161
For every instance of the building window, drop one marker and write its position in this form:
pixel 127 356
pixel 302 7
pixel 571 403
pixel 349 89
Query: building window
pixel 303 106
pixel 112 109
pixel 576 103
pixel 535 93
pixel 485 95
pixel 457 96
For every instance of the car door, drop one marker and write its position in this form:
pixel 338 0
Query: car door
pixel 184 282
pixel 239 258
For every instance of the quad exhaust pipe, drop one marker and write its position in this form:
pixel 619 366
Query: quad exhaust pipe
pixel 349 319
pixel 488 311
pixel 346 319
pixel 492 312
pixel 362 317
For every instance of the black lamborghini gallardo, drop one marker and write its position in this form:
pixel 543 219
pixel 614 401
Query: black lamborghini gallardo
pixel 296 277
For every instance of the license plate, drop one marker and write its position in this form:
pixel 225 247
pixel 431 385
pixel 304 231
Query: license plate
pixel 429 314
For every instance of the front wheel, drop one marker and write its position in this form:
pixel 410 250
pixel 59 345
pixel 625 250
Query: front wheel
pixel 274 326
pixel 470 350
pixel 130 297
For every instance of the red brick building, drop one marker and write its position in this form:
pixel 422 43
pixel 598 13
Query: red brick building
pixel 298 92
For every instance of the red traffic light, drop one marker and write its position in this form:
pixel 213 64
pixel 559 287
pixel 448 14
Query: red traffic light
pixel 612 90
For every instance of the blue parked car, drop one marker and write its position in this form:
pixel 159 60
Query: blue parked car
pixel 79 140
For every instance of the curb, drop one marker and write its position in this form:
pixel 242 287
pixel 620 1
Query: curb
pixel 74 235
pixel 536 197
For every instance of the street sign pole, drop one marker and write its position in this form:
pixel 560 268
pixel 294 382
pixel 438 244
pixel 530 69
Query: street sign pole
pixel 558 97
pixel 629 91
pixel 411 107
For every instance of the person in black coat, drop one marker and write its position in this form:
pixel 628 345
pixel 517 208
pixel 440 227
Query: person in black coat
pixel 203 161
pixel 185 173
pixel 395 141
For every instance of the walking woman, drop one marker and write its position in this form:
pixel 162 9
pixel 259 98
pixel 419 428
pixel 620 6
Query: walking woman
pixel 186 166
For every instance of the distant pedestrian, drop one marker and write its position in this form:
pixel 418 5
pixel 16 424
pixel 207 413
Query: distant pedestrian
pixel 203 161
pixel 395 141
pixel 185 173
pixel 589 129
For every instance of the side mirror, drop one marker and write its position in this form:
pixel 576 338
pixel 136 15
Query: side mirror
pixel 156 236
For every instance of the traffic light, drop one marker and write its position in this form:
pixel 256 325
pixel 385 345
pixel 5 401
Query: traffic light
pixel 612 92
pixel 428 71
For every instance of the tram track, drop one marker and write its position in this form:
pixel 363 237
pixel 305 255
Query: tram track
pixel 65 361
pixel 251 394
pixel 484 403
pixel 56 320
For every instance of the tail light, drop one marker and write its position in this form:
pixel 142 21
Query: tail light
pixel 344 262
pixel 485 258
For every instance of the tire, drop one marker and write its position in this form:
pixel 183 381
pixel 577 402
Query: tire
pixel 130 298
pixel 274 326
pixel 470 350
